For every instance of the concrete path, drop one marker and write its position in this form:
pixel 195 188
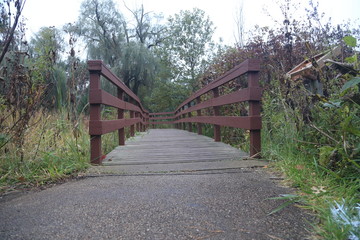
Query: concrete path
pixel 213 197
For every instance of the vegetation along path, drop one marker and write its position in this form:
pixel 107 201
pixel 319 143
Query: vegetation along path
pixel 164 184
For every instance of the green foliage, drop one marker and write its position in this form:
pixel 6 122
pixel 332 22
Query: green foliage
pixel 54 149
pixel 126 50
pixel 187 45
pixel 166 96
pixel 102 27
pixel 140 67
pixel 350 41
pixel 351 83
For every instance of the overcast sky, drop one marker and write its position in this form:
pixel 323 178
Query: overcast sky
pixel 41 13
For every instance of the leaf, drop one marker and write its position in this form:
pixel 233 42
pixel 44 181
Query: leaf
pixel 331 104
pixel 21 179
pixel 282 206
pixel 325 153
pixel 285 196
pixel 349 84
pixel 300 167
pixel 350 41
pixel 351 59
pixel 353 130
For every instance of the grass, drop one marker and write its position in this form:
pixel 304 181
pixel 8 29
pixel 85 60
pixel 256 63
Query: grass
pixel 320 189
pixel 54 148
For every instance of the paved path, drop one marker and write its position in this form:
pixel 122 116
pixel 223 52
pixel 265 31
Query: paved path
pixel 209 194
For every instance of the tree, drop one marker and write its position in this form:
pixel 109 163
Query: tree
pixel 240 26
pixel 45 52
pixel 7 27
pixel 139 66
pixel 125 50
pixel 187 44
pixel 103 29
pixel 145 31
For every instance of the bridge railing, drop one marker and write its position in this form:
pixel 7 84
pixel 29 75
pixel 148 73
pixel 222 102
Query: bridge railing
pixel 161 118
pixel 190 111
pixel 125 100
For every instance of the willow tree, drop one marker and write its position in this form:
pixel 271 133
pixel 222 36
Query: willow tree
pixel 124 47
pixel 102 27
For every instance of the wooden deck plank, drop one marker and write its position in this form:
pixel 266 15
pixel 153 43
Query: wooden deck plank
pixel 171 146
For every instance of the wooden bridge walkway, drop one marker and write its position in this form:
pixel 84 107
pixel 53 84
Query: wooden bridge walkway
pixel 173 150
pixel 201 108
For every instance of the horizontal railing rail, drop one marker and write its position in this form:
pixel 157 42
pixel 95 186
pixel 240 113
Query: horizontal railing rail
pixel 125 100
pixel 203 107
pixel 192 109
pixel 161 118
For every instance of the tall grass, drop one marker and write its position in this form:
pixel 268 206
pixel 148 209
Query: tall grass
pixel 318 187
pixel 54 148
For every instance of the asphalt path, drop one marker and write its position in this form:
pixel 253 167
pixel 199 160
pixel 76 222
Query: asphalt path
pixel 200 199
pixel 231 204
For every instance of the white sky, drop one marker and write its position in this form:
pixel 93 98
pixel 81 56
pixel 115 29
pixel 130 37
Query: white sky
pixel 56 13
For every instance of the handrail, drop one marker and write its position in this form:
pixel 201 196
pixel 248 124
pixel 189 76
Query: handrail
pixel 155 117
pixel 183 115
pixel 252 94
pixel 97 97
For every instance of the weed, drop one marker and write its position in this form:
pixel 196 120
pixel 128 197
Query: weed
pixel 53 147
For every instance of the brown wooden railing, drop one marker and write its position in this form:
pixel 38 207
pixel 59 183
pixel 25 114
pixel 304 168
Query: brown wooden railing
pixel 125 100
pixel 161 118
pixel 190 111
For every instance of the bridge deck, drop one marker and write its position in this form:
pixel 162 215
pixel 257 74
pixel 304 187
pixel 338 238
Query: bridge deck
pixel 175 150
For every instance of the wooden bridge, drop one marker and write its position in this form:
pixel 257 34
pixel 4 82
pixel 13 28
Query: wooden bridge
pixel 203 107
pixel 164 183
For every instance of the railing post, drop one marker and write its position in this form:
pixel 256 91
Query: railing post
pixel 95 115
pixel 121 131
pixel 137 115
pixel 142 121
pixel 132 127
pixel 254 110
pixel 148 120
pixel 183 116
pixel 178 125
pixel 145 126
pixel 189 123
pixel 217 132
pixel 198 113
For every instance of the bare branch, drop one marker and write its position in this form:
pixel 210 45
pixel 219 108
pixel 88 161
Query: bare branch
pixel 19 7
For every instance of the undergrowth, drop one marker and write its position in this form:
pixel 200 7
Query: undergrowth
pixel 320 189
pixel 54 148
